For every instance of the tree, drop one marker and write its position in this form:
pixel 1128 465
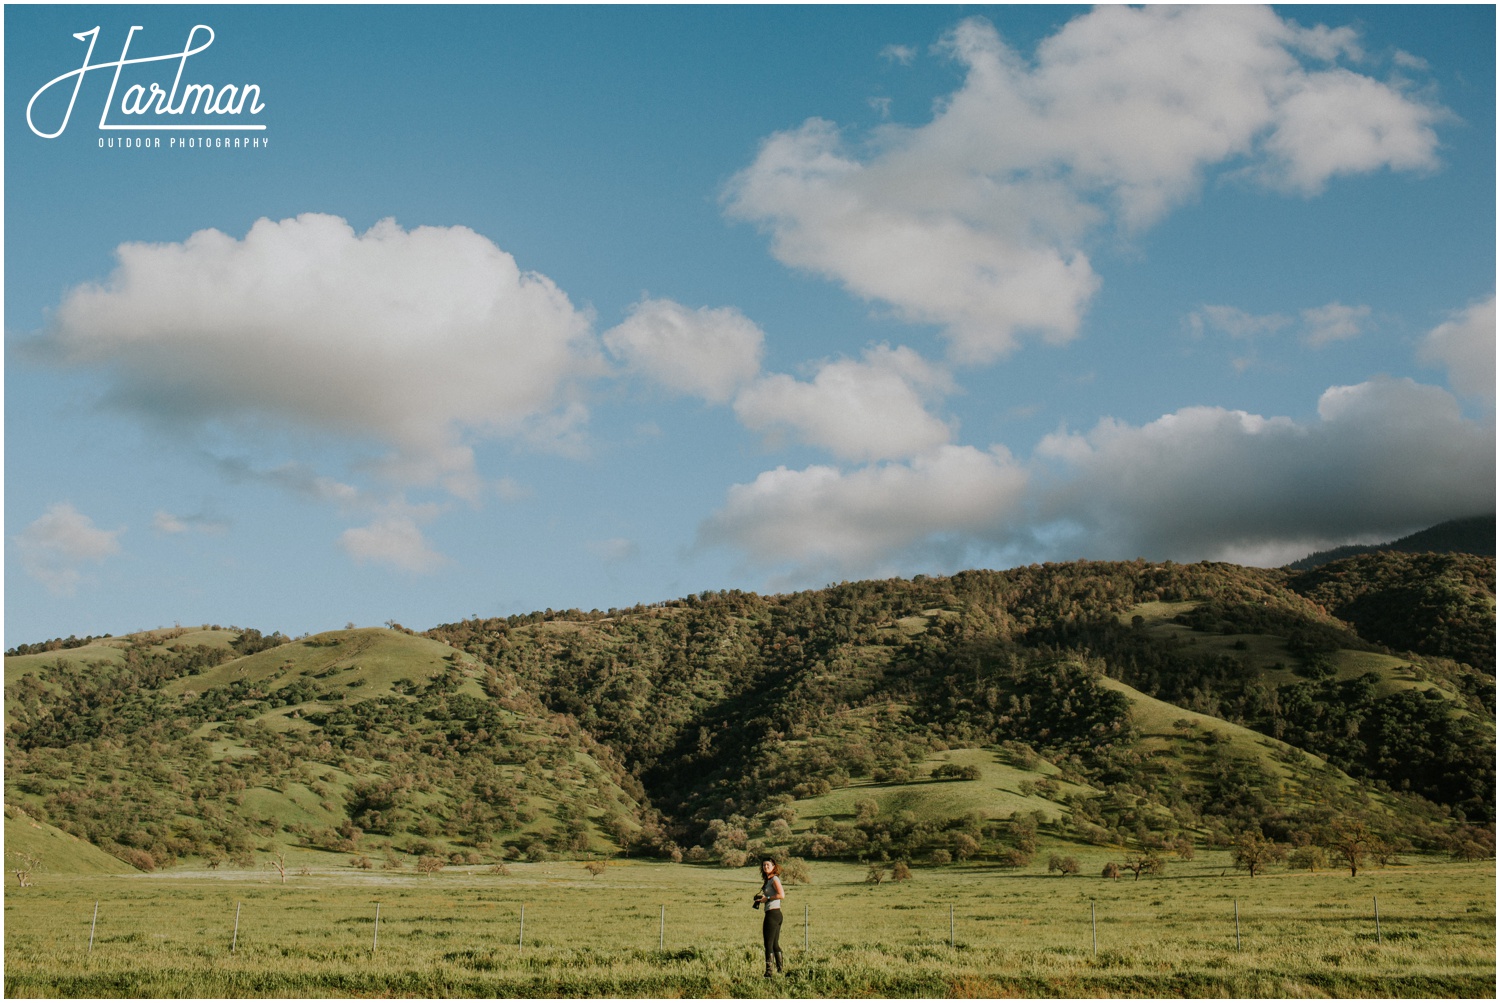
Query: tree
pixel 942 857
pixel 794 871
pixel 1146 861
pixel 1351 841
pixel 1111 870
pixel 1062 865
pixel 1252 851
pixel 430 864
pixel 1309 857
pixel 23 865
pixel 595 867
pixel 900 871
pixel 278 863
pixel 1468 849
pixel 875 875
pixel 965 846
pixel 1183 846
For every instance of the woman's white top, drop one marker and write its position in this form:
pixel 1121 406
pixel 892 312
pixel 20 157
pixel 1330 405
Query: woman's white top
pixel 771 889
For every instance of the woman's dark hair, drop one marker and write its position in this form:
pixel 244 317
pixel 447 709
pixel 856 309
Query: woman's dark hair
pixel 775 867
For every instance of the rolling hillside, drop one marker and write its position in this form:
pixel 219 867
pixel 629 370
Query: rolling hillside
pixel 1134 705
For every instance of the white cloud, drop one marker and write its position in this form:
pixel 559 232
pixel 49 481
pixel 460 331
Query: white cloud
pixel 1337 122
pixel 614 550
pixel 902 54
pixel 1380 459
pixel 708 353
pixel 978 220
pixel 54 545
pixel 822 518
pixel 1323 325
pixel 1234 322
pixel 395 540
pixel 1383 457
pixel 420 341
pixel 173 525
pixel 1465 346
pixel 872 409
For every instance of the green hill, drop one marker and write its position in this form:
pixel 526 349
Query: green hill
pixel 52 851
pixel 366 741
pixel 1475 535
pixel 1123 704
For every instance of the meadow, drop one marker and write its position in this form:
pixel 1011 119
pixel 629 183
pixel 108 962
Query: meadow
pixel 645 928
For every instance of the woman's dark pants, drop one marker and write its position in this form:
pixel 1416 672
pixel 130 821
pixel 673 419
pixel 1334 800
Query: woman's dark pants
pixel 770 929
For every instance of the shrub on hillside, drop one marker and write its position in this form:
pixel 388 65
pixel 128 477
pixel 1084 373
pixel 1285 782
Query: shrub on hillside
pixel 794 871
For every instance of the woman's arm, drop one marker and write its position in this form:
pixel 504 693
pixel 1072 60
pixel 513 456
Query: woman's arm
pixel 779 893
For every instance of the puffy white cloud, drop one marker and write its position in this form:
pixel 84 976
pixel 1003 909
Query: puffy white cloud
pixel 419 340
pixel 871 409
pixel 1380 459
pixel 1337 122
pixel 870 229
pixel 52 547
pixel 826 519
pixel 709 353
pixel 395 540
pixel 1323 325
pixel 1383 457
pixel 1465 346
pixel 978 219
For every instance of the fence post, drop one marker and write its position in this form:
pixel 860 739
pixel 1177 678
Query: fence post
pixel 521 942
pixel 1236 924
pixel 92 924
pixel 950 925
pixel 235 940
pixel 661 930
pixel 1094 925
pixel 375 941
pixel 1378 939
pixel 804 926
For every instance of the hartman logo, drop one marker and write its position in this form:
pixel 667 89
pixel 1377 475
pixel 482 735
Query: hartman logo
pixel 155 98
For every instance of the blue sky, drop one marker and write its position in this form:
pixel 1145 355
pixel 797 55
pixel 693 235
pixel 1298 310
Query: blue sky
pixel 521 308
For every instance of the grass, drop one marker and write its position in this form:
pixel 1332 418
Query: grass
pixel 994 795
pixel 457 933
pixel 60 852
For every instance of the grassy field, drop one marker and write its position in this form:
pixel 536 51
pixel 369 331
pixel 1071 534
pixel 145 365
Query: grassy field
pixel 458 933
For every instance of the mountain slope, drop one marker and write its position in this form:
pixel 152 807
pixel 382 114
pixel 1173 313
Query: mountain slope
pixel 1475 535
pixel 1123 703
pixel 347 741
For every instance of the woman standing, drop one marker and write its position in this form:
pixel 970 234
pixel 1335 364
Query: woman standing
pixel 770 895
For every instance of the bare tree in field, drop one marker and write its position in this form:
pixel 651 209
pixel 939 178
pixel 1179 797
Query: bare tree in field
pixel 278 863
pixel 23 865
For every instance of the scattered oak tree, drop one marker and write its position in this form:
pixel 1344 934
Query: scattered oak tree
pixel 1252 852
pixel 1062 865
pixel 1147 862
